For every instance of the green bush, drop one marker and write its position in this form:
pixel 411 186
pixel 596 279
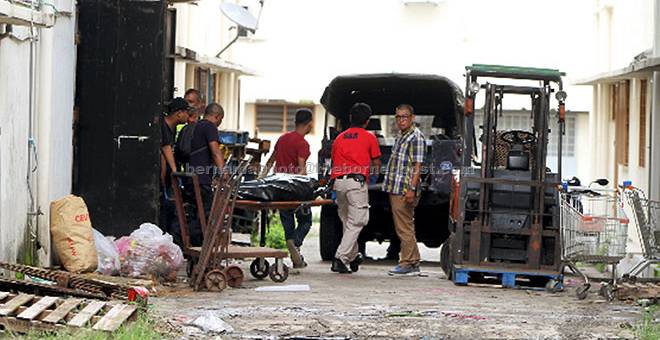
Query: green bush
pixel 274 234
pixel 649 328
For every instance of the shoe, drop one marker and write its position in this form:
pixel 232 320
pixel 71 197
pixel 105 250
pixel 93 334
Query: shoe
pixel 302 258
pixel 339 267
pixel 399 270
pixel 355 264
pixel 294 254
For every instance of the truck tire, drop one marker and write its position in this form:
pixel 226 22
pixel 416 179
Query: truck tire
pixel 330 232
pixel 445 257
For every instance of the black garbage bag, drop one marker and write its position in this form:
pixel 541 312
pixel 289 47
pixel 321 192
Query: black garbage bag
pixel 446 157
pixel 280 187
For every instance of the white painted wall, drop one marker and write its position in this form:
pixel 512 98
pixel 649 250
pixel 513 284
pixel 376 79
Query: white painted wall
pixel 54 70
pixel 202 27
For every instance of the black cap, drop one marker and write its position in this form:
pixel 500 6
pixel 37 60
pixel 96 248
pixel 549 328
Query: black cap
pixel 178 104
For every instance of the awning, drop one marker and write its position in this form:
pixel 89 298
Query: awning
pixel 635 69
pixel 211 62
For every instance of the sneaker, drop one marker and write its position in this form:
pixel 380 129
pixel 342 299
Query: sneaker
pixel 355 264
pixel 339 267
pixel 399 270
pixel 303 264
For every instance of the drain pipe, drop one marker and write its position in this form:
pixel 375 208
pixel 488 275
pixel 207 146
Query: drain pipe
pixel 654 168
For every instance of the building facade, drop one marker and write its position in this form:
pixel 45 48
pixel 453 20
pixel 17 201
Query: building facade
pixel 37 80
pixel 624 126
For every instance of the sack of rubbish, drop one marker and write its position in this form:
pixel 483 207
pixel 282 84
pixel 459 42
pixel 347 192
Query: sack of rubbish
pixel 71 232
pixel 149 252
pixel 107 254
pixel 280 187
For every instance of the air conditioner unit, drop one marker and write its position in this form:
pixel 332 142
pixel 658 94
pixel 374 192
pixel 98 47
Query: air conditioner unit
pixel 422 2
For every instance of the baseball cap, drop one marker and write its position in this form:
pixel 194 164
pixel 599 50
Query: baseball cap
pixel 178 104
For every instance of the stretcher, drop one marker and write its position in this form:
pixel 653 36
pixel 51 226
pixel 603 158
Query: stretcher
pixel 205 263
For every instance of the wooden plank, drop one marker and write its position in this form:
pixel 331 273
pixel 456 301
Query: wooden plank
pixel 115 317
pixel 84 315
pixel 60 312
pixel 15 303
pixel 38 307
pixel 3 295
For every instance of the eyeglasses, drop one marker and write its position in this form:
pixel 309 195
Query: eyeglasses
pixel 402 117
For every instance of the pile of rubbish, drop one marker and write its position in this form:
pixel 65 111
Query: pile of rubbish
pixel 146 252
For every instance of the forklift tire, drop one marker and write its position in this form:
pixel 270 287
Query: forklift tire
pixel 445 257
pixel 330 232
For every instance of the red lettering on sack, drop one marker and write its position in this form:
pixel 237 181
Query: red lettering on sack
pixel 72 247
pixel 81 218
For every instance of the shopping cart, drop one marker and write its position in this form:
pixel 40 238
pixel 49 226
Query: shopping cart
pixel 594 229
pixel 647 218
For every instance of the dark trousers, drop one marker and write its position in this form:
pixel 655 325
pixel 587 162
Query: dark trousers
pixel 304 217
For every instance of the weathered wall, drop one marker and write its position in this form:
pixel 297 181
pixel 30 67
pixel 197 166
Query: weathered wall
pixel 51 155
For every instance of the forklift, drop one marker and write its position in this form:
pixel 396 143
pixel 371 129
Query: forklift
pixel 505 202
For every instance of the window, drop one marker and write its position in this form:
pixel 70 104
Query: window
pixel 642 123
pixel 277 117
pixel 619 96
pixel 202 81
pixel 522 120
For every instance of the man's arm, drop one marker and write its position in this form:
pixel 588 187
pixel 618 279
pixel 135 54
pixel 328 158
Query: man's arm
pixel 375 166
pixel 216 154
pixel 302 166
pixel 414 182
pixel 168 153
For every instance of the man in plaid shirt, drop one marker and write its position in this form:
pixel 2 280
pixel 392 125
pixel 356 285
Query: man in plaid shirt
pixel 402 179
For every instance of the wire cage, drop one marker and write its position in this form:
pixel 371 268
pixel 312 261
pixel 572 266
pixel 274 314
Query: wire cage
pixel 646 213
pixel 594 226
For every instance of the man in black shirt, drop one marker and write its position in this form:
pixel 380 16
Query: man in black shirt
pixel 177 113
pixel 206 158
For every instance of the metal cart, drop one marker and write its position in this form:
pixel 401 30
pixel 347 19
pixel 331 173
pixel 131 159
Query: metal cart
pixel 647 218
pixel 206 263
pixel 594 229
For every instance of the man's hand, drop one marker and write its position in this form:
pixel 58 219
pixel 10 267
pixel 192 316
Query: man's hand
pixel 410 196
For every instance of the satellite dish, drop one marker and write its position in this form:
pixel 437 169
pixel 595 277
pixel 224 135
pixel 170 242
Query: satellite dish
pixel 239 16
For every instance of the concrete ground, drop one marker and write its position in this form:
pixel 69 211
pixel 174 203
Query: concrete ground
pixel 371 304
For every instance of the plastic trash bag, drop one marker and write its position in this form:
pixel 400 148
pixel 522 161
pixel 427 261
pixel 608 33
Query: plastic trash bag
pixel 108 256
pixel 280 187
pixel 446 156
pixel 149 252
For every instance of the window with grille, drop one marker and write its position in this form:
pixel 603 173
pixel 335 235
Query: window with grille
pixel 619 104
pixel 277 118
pixel 642 123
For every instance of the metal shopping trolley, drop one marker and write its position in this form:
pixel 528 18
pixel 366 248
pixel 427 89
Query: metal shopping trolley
pixel 647 218
pixel 594 229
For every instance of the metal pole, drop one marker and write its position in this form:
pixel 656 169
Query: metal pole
pixel 654 162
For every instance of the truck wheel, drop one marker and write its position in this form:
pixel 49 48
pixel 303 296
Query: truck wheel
pixel 330 232
pixel 445 257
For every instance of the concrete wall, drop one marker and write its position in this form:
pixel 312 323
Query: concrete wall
pixel 51 150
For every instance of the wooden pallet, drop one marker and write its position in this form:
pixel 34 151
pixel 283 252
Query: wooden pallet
pixel 23 312
pixel 638 290
pixel 506 278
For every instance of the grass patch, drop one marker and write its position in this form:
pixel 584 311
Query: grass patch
pixel 274 234
pixel 142 328
pixel 649 329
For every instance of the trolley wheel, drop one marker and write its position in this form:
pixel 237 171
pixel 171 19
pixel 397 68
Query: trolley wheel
pixel 234 275
pixel 216 281
pixel 277 276
pixel 259 273
pixel 553 286
pixel 582 291
pixel 607 291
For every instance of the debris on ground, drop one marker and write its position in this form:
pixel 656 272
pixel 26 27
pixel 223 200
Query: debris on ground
pixel 285 288
pixel 107 254
pixel 211 324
